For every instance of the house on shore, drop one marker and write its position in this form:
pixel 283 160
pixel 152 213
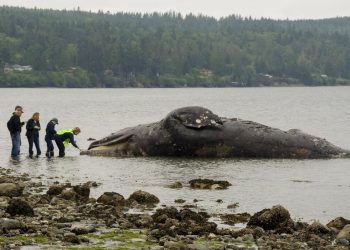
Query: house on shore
pixel 16 67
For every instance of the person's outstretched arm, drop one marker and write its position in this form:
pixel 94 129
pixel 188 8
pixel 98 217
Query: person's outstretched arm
pixel 71 138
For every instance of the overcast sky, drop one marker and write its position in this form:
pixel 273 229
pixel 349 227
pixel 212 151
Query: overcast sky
pixel 277 9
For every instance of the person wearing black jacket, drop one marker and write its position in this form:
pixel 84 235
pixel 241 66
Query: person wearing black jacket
pixel 14 125
pixel 33 128
pixel 50 136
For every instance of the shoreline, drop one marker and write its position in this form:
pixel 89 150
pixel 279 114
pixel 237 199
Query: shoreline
pixel 192 87
pixel 64 216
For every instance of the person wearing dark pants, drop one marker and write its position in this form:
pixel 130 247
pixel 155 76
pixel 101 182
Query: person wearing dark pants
pixel 65 137
pixel 50 136
pixel 16 144
pixel 33 128
pixel 14 125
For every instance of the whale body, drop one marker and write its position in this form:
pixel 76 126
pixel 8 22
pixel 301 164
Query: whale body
pixel 198 132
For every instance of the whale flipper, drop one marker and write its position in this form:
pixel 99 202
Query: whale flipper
pixel 111 140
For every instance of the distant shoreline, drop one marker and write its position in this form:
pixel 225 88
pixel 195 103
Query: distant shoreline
pixel 192 87
pixel 48 48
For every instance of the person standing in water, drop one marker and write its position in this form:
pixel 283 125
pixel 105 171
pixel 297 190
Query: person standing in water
pixel 65 137
pixel 33 128
pixel 14 125
pixel 50 136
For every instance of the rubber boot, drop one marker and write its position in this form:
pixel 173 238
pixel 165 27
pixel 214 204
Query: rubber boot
pixel 52 153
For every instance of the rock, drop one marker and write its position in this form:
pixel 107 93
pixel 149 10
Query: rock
pixel 232 219
pixel 43 199
pixel 5 179
pixel 4 201
pixel 140 220
pixel 91 200
pixel 79 229
pixel 315 241
pixel 173 245
pixel 209 184
pixel 71 238
pixel 91 184
pixel 190 206
pixel 248 237
pixel 106 212
pixel 11 189
pixel 317 228
pixel 19 207
pixel 111 198
pixel 233 205
pixel 57 201
pixel 9 224
pixel 145 220
pixel 300 226
pixel 143 197
pixel 212 236
pixel 338 223
pixel 157 248
pixel 197 246
pixel 187 214
pixel 256 232
pixel 179 201
pixel 91 139
pixel 14 180
pixel 344 233
pixel 75 193
pixel 64 219
pixel 124 224
pixel 83 192
pixel 55 190
pixel 156 233
pixel 68 194
pixel 343 242
pixel 63 225
pixel 270 219
pixel 170 222
pixel 175 185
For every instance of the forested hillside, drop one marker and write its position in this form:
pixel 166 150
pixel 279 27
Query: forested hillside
pixel 82 49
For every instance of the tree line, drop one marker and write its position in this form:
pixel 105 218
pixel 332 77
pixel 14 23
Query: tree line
pixel 84 49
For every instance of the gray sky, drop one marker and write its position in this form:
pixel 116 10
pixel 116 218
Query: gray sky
pixel 277 9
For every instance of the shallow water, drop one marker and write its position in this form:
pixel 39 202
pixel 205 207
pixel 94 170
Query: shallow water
pixel 310 189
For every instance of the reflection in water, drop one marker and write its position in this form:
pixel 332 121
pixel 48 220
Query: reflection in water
pixel 312 189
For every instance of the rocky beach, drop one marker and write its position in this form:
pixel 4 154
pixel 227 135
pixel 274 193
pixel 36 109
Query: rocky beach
pixel 35 215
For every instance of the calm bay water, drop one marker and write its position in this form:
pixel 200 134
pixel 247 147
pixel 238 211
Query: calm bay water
pixel 310 189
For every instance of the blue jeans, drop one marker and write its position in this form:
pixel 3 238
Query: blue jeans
pixel 34 139
pixel 16 144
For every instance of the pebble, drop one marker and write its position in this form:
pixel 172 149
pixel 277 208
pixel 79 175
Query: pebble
pixel 71 238
pixel 9 224
pixel 82 229
pixel 248 237
pixel 343 242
